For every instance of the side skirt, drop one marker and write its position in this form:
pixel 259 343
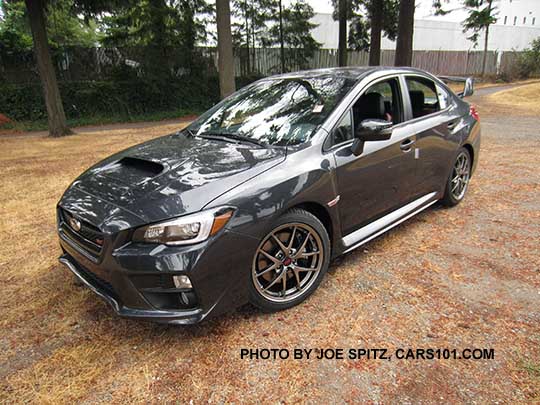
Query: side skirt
pixel 381 225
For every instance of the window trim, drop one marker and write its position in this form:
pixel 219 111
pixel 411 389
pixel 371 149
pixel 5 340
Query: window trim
pixel 433 114
pixel 347 111
pixel 442 90
pixel 350 106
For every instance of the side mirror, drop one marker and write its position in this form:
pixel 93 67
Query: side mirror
pixel 371 130
pixel 374 130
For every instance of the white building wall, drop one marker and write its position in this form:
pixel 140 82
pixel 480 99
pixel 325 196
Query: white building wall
pixel 519 13
pixel 443 35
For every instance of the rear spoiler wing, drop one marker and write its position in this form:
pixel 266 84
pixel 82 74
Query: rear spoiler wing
pixel 468 84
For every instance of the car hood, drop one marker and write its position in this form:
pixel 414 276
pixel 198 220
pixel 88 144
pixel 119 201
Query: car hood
pixel 163 178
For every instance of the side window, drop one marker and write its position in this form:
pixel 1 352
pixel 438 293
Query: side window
pixel 342 132
pixel 423 96
pixel 380 101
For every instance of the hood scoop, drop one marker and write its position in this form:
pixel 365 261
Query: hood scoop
pixel 142 166
pixel 133 170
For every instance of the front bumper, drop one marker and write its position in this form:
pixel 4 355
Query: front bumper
pixel 179 317
pixel 134 278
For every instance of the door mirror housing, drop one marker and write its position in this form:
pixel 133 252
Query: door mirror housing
pixel 370 130
pixel 374 130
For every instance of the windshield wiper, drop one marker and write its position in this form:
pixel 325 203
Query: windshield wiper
pixel 233 136
pixel 189 132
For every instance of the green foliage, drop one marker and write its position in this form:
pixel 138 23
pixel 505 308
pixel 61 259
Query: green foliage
pixel 14 30
pixel 481 14
pixel 358 38
pixel 250 28
pixel 161 27
pixel 250 23
pixel 83 99
pixel 257 24
pixel 64 26
pixel 128 98
pixel 176 23
pixel 298 42
pixel 528 63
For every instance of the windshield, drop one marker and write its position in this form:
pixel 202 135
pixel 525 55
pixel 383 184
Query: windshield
pixel 276 111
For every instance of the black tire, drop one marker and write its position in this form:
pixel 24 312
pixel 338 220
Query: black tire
pixel 308 236
pixel 451 197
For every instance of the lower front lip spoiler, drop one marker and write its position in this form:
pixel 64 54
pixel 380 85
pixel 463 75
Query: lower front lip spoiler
pixel 173 317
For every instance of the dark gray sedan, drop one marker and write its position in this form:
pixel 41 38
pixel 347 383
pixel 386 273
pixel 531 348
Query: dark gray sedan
pixel 253 199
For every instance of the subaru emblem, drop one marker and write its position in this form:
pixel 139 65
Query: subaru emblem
pixel 75 224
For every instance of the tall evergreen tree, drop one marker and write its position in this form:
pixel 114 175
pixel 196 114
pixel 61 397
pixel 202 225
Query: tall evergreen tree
pixel 369 19
pixel 37 17
pixel 64 26
pixel 343 8
pixel 404 44
pixel 292 28
pixel 481 15
pixel 166 28
pixel 250 27
pixel 225 50
pixel 53 101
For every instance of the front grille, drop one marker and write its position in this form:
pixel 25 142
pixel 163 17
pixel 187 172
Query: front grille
pixel 88 237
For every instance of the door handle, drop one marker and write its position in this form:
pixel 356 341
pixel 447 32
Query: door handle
pixel 406 145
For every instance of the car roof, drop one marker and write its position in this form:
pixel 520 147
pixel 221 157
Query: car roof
pixel 349 72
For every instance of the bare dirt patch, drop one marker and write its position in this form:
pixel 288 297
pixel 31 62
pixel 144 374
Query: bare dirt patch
pixel 456 278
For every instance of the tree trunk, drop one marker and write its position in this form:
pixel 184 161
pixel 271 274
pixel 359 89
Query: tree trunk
pixel 342 41
pixel 281 44
pixel 404 44
pixel 253 47
pixel 225 50
pixel 247 37
pixel 53 101
pixel 376 30
pixel 486 39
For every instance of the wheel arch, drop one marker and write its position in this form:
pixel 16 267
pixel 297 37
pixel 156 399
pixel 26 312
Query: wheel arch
pixel 470 149
pixel 322 215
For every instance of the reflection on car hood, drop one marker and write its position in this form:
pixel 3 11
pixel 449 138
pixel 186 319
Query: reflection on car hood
pixel 164 178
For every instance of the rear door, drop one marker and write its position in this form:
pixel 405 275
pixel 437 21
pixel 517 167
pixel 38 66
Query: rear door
pixel 436 121
pixel 381 178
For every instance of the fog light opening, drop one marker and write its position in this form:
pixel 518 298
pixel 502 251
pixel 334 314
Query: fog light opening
pixel 182 282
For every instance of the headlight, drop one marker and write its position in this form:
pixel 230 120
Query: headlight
pixel 186 230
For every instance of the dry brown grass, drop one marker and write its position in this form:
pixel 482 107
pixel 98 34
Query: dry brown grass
pixel 521 100
pixel 465 277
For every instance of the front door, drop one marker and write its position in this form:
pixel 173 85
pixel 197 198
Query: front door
pixel 382 177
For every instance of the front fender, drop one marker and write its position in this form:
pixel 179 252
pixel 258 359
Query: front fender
pixel 306 176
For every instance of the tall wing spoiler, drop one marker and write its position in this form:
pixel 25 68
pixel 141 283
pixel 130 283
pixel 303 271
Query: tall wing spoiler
pixel 468 84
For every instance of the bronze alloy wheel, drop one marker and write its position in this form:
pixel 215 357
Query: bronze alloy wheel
pixel 458 180
pixel 460 176
pixel 287 262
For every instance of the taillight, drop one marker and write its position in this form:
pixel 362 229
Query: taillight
pixel 474 113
